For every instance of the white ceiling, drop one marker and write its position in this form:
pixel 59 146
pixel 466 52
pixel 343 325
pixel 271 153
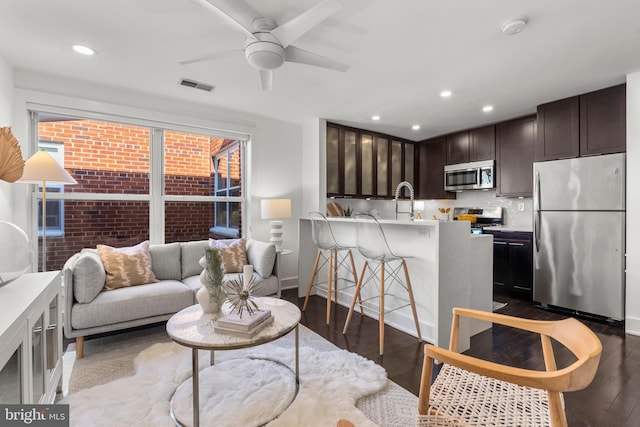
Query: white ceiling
pixel 401 53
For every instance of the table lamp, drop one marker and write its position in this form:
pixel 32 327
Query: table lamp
pixel 275 210
pixel 40 169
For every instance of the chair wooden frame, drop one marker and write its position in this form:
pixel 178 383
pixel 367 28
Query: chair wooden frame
pixel 571 333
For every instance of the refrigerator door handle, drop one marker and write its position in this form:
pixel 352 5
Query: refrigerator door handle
pixel 536 225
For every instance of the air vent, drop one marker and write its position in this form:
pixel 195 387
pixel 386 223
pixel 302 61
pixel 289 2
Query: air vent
pixel 197 85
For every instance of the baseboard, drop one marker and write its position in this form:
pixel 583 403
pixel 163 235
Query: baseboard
pixel 289 283
pixel 632 326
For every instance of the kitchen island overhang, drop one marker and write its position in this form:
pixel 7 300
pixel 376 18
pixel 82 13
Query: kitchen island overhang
pixel 449 267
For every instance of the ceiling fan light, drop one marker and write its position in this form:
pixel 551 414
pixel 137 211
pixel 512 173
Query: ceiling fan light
pixel 264 55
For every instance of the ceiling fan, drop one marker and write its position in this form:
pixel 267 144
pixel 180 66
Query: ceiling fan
pixel 268 45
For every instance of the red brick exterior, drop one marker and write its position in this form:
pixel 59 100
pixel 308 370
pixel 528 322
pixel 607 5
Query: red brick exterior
pixel 113 158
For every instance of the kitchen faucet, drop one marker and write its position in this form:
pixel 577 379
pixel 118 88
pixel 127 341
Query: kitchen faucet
pixel 398 188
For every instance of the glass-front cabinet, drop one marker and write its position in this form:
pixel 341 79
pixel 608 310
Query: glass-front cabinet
pixel 31 336
pixel 361 163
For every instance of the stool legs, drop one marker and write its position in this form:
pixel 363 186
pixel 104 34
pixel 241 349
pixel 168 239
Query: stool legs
pixel 355 295
pixel 314 273
pixel 330 282
pixel 381 309
pixel 413 303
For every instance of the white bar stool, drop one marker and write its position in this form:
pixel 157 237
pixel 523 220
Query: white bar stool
pixel 372 244
pixel 333 253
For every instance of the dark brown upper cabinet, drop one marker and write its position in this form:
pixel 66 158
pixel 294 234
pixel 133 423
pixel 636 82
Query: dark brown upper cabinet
pixel 558 130
pixel 361 163
pixel 457 148
pixel 482 143
pixel 603 124
pixel 515 140
pixel 432 157
pixel 586 125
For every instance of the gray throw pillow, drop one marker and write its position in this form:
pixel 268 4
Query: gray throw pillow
pixel 165 261
pixel 262 256
pixel 190 254
pixel 88 277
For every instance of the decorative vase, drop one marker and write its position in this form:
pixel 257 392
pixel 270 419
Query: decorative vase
pixel 211 296
pixel 15 252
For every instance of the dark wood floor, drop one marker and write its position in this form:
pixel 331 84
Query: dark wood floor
pixel 612 399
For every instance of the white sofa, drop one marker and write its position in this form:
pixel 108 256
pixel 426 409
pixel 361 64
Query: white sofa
pixel 90 309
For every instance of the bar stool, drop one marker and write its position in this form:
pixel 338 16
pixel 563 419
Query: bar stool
pixel 333 253
pixel 372 244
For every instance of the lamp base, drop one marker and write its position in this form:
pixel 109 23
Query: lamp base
pixel 276 234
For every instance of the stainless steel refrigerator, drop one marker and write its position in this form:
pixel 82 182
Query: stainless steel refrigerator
pixel 579 234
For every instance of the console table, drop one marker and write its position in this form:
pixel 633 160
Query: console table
pixel 31 337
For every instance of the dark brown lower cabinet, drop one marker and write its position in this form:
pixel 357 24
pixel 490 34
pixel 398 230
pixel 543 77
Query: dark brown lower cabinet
pixel 513 263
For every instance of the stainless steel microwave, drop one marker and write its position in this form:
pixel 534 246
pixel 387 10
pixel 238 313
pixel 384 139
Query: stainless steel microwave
pixel 469 176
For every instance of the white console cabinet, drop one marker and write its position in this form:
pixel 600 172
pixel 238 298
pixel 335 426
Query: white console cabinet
pixel 31 338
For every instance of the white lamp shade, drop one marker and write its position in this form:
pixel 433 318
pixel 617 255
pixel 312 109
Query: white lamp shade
pixel 275 208
pixel 43 167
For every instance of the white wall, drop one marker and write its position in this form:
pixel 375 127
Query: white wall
pixel 6 100
pixel 632 320
pixel 274 152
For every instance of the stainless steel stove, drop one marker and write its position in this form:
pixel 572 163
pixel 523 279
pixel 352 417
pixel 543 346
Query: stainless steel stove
pixel 485 217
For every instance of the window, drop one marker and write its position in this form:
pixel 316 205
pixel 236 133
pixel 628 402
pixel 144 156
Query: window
pixel 226 166
pixel 136 182
pixel 55 208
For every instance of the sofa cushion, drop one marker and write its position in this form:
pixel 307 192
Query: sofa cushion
pixel 233 252
pixel 262 256
pixel 88 277
pixel 127 266
pixel 190 254
pixel 131 303
pixel 165 261
pixel 268 286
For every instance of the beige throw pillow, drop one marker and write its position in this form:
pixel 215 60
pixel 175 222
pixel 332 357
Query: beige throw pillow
pixel 234 254
pixel 126 266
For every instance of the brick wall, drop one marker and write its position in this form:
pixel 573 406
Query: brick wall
pixel 113 158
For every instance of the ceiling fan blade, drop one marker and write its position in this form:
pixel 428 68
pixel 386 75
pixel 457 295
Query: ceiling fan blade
pixel 291 30
pixel 295 54
pixel 266 79
pixel 209 56
pixel 238 13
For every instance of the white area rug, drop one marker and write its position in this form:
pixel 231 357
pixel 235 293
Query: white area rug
pixel 331 382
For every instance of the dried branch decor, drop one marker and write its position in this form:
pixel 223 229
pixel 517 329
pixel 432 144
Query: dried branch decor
pixel 11 161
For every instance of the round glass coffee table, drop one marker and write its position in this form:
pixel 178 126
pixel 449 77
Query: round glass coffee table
pixel 194 329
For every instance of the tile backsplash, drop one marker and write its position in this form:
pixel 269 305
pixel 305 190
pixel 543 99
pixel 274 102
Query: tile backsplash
pixel 518 213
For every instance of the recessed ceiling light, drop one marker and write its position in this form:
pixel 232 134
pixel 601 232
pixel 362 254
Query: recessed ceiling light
pixel 375 118
pixel 487 108
pixel 415 127
pixel 445 93
pixel 83 50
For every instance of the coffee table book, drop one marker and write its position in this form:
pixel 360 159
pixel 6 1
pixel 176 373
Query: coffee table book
pixel 233 321
pixel 245 334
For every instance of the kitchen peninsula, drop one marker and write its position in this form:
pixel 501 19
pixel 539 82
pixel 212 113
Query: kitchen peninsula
pixel 449 267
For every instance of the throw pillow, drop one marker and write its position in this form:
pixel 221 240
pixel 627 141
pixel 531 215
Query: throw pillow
pixel 88 277
pixel 190 254
pixel 126 266
pixel 234 254
pixel 262 256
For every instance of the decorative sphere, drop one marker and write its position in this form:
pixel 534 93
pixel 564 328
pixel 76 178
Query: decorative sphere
pixel 15 252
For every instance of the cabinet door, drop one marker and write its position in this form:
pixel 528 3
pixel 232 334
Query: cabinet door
pixel 603 121
pixel 482 143
pixel 501 271
pixel 514 146
pixel 409 163
pixel 333 161
pixel 558 130
pixel 432 158
pixel 382 167
pixel 367 164
pixel 521 262
pixel 458 148
pixel 350 163
pixel 396 164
